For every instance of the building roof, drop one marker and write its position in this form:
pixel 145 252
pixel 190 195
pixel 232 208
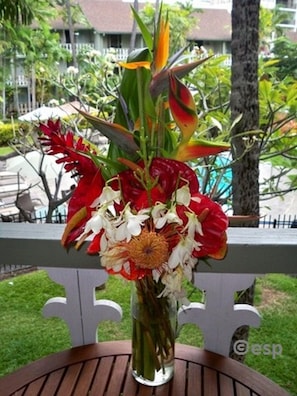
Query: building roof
pixel 108 16
pixel 212 25
pixel 115 16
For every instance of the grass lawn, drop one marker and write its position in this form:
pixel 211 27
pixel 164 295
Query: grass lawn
pixel 27 336
pixel 5 150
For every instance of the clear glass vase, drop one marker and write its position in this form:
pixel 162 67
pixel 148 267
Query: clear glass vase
pixel 154 329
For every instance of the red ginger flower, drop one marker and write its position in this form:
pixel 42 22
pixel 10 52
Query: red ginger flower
pixel 91 182
pixel 71 147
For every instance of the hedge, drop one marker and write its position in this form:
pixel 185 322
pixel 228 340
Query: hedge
pixel 10 131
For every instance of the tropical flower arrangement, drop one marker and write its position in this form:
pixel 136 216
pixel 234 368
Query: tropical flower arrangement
pixel 140 204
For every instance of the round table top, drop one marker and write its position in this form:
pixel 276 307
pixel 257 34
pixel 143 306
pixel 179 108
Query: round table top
pixel 103 369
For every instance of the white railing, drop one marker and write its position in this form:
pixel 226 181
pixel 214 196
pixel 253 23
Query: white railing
pixel 20 81
pixel 78 46
pixel 251 251
pixel 120 54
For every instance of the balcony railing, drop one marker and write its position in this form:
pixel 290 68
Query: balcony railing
pixel 78 46
pixel 251 251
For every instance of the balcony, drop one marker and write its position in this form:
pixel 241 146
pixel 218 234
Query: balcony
pixel 250 251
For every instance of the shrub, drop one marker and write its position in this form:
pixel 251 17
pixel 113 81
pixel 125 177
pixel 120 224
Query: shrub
pixel 9 131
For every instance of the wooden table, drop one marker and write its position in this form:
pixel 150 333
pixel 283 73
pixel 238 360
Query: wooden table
pixel 103 369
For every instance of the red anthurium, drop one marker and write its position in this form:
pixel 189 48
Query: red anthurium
pixel 132 274
pixel 182 107
pixel 214 224
pixel 88 189
pixel 168 175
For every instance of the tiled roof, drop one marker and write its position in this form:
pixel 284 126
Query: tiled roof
pixel 212 25
pixel 114 16
pixel 108 16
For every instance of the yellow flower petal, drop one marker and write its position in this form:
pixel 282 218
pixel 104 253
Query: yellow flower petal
pixel 135 65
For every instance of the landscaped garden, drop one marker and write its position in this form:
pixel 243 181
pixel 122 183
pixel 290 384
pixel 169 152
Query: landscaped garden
pixel 26 335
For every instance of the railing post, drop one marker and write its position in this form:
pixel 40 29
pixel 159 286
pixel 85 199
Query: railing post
pixel 219 317
pixel 80 309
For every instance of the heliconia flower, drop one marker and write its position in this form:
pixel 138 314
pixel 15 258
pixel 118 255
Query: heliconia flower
pixel 196 149
pixel 182 107
pixel 75 157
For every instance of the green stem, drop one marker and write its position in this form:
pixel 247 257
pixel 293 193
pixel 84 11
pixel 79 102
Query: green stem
pixel 153 335
pixel 142 131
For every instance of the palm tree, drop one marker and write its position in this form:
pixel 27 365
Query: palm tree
pixel 15 18
pixel 244 105
pixel 134 27
pixel 16 11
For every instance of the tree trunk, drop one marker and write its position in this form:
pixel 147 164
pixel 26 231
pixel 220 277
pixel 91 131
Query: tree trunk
pixel 71 32
pixel 134 28
pixel 244 103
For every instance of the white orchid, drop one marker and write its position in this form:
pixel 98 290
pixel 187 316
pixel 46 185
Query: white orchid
pixel 193 226
pixel 182 195
pixel 182 252
pixel 130 224
pixel 172 281
pixel 162 215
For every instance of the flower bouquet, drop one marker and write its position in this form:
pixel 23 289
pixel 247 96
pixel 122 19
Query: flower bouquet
pixel 140 204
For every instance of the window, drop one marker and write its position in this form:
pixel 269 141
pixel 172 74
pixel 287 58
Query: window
pixel 114 40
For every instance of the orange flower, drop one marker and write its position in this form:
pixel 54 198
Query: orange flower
pixel 161 50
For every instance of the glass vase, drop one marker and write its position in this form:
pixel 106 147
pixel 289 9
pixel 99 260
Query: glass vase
pixel 154 329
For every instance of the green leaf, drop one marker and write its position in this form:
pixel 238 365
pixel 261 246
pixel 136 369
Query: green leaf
pixel 115 132
pixel 146 35
pixel 127 111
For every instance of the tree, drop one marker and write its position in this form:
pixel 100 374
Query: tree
pixel 285 51
pixel 16 11
pixel 134 27
pixel 245 108
pixel 71 14
pixel 16 37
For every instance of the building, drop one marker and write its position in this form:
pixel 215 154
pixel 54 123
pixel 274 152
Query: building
pixel 109 25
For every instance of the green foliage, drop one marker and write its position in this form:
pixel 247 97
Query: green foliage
pixel 94 82
pixel 9 131
pixel 6 134
pixel 286 52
